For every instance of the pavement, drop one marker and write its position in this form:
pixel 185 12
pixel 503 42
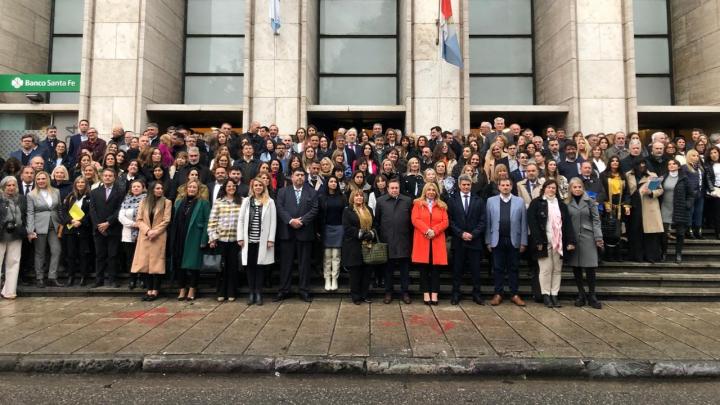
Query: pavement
pixel 331 335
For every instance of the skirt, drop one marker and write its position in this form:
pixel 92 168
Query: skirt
pixel 333 236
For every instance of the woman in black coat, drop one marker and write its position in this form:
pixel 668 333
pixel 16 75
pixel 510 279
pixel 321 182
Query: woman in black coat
pixel 541 216
pixel 357 222
pixel 675 207
pixel 77 238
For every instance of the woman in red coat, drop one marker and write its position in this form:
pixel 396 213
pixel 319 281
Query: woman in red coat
pixel 430 219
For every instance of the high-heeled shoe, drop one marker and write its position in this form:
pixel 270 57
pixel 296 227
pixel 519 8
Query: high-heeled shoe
pixel 428 303
pixel 434 303
pixel 191 294
pixel 182 295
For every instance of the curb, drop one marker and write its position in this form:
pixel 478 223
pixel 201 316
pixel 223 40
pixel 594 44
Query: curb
pixel 228 364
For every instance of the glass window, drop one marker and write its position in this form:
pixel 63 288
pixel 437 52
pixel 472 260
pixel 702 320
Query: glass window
pixel 358 90
pixel 650 17
pixel 213 90
pixel 501 55
pixel 214 55
pixel 357 52
pixel 654 91
pixel 68 17
pixel 66 54
pixel 358 17
pixel 64 98
pixel 353 55
pixel 652 55
pixel 500 17
pixel 501 90
pixel 216 17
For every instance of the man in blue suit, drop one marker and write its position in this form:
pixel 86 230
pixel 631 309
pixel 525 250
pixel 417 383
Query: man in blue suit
pixel 75 140
pixel 297 207
pixel 506 237
pixel 28 150
pixel 467 224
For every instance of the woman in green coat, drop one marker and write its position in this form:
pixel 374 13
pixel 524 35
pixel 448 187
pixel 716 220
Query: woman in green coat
pixel 189 234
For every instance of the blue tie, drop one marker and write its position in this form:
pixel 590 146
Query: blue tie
pixel 297 196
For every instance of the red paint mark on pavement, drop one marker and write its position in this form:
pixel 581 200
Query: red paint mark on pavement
pixel 431 322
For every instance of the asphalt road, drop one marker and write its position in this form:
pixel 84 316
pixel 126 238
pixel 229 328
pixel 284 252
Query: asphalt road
pixel 293 389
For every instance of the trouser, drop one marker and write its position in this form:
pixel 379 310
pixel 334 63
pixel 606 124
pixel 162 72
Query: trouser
pixel 714 213
pixel 10 256
pixel 153 281
pixel 429 278
pixel 41 244
pixel 534 273
pixel 255 272
pixel 78 254
pixel 679 238
pixel 331 263
pixel 295 249
pixel 27 266
pixel 129 253
pixel 589 276
pixel 228 276
pixel 550 272
pixel 359 282
pixel 106 256
pixel 473 257
pixel 505 263
pixel 696 212
pixel 187 278
pixel 404 265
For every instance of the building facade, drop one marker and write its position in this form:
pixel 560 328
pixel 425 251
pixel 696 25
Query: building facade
pixel 588 65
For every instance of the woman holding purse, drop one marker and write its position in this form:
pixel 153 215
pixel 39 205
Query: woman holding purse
pixel 187 235
pixel 256 237
pixel 78 237
pixel 357 223
pixel 222 233
pixel 430 220
pixel 616 207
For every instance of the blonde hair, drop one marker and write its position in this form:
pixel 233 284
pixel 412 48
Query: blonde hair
pixel 693 153
pixel 363 212
pixel 60 168
pixel 421 200
pixel 49 187
pixel 264 196
pixel 574 180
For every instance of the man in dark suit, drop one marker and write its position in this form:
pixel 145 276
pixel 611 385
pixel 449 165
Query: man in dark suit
pixel 467 225
pixel 28 150
pixel 214 186
pixel 27 254
pixel 105 204
pixel 297 208
pixel 48 145
pixel 77 139
pixel 392 220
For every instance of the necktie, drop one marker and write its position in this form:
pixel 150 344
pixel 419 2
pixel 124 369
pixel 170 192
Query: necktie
pixel 297 196
pixel 27 189
pixel 466 203
pixel 530 187
pixel 522 174
pixel 107 193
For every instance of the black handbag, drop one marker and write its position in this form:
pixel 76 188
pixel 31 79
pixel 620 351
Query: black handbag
pixel 611 223
pixel 211 262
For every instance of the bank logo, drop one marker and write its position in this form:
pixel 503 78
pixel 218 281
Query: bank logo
pixel 17 82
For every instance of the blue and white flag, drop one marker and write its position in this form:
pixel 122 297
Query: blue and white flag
pixel 449 44
pixel 275 16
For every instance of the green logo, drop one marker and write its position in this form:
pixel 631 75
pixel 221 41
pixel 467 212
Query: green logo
pixel 40 83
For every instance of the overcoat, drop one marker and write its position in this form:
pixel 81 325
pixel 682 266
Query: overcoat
pixel 437 220
pixel 649 204
pixel 150 254
pixel 586 223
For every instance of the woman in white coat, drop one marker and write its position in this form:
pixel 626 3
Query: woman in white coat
pixel 256 237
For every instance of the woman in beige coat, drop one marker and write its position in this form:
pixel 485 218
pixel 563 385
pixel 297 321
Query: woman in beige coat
pixel 152 223
pixel 645 228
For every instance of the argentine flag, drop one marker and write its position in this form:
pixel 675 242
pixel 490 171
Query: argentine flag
pixel 275 16
pixel 449 43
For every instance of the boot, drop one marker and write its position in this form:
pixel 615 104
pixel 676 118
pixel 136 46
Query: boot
pixel 328 283
pixel 698 233
pixel 327 269
pixel 258 298
pixel 546 301
pixel 593 301
pixel 251 298
pixel 580 301
pixel 555 301
pixel 333 283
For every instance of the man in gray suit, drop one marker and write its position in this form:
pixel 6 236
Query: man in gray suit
pixel 506 237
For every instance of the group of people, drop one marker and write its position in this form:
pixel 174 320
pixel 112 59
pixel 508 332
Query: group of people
pixel 263 203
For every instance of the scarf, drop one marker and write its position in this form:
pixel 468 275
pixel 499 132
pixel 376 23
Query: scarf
pixel 132 202
pixel 555 223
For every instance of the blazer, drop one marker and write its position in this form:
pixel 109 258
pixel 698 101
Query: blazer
pixel 518 222
pixel 537 216
pixel 40 215
pixel 523 190
pixel 268 225
pixel 73 147
pixel 18 154
pixel 472 222
pixel 288 209
pixel 106 211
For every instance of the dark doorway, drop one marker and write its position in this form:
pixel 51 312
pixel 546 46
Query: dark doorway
pixel 329 122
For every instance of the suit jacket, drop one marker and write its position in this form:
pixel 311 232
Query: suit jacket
pixel 523 190
pixel 106 211
pixel 288 209
pixel 18 154
pixel 518 222
pixel 40 215
pixel 21 186
pixel 472 222
pixel 74 147
pixel 350 156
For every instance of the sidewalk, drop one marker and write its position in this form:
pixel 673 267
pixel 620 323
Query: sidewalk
pixel 333 335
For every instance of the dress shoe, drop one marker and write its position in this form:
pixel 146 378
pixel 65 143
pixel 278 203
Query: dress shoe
pixel 152 297
pixel 280 297
pixel 181 295
pixel 436 303
pixel 478 300
pixel 406 298
pixel 251 299
pixel 455 299
pixel 357 302
pixel 55 283
pixel 517 300
pixel 191 294
pixel 145 297
pixel 678 259
pixel 366 300
pixel 547 301
pixel 258 299
pixel 555 301
pixel 220 299
pixel 388 298
pixel 496 300
pixel 40 284
pixel 231 299
pixel 305 297
pixel 593 301
pixel 580 300
pixel 426 302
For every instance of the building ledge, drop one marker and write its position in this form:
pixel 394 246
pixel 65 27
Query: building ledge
pixel 356 108
pixel 38 108
pixel 685 109
pixel 521 108
pixel 196 107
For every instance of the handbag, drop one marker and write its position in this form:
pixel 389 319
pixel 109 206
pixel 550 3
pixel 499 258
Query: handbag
pixel 611 224
pixel 375 252
pixel 211 262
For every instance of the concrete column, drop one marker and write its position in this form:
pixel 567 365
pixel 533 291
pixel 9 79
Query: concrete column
pixel 696 51
pixel 275 67
pixel 437 90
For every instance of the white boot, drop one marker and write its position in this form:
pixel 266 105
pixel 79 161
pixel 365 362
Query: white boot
pixel 327 269
pixel 328 285
pixel 335 269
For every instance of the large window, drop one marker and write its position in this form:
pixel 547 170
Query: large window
pixel 501 52
pixel 652 52
pixel 358 52
pixel 66 43
pixel 214 51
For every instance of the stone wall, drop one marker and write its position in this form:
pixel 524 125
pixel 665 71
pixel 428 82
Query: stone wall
pixel 695 28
